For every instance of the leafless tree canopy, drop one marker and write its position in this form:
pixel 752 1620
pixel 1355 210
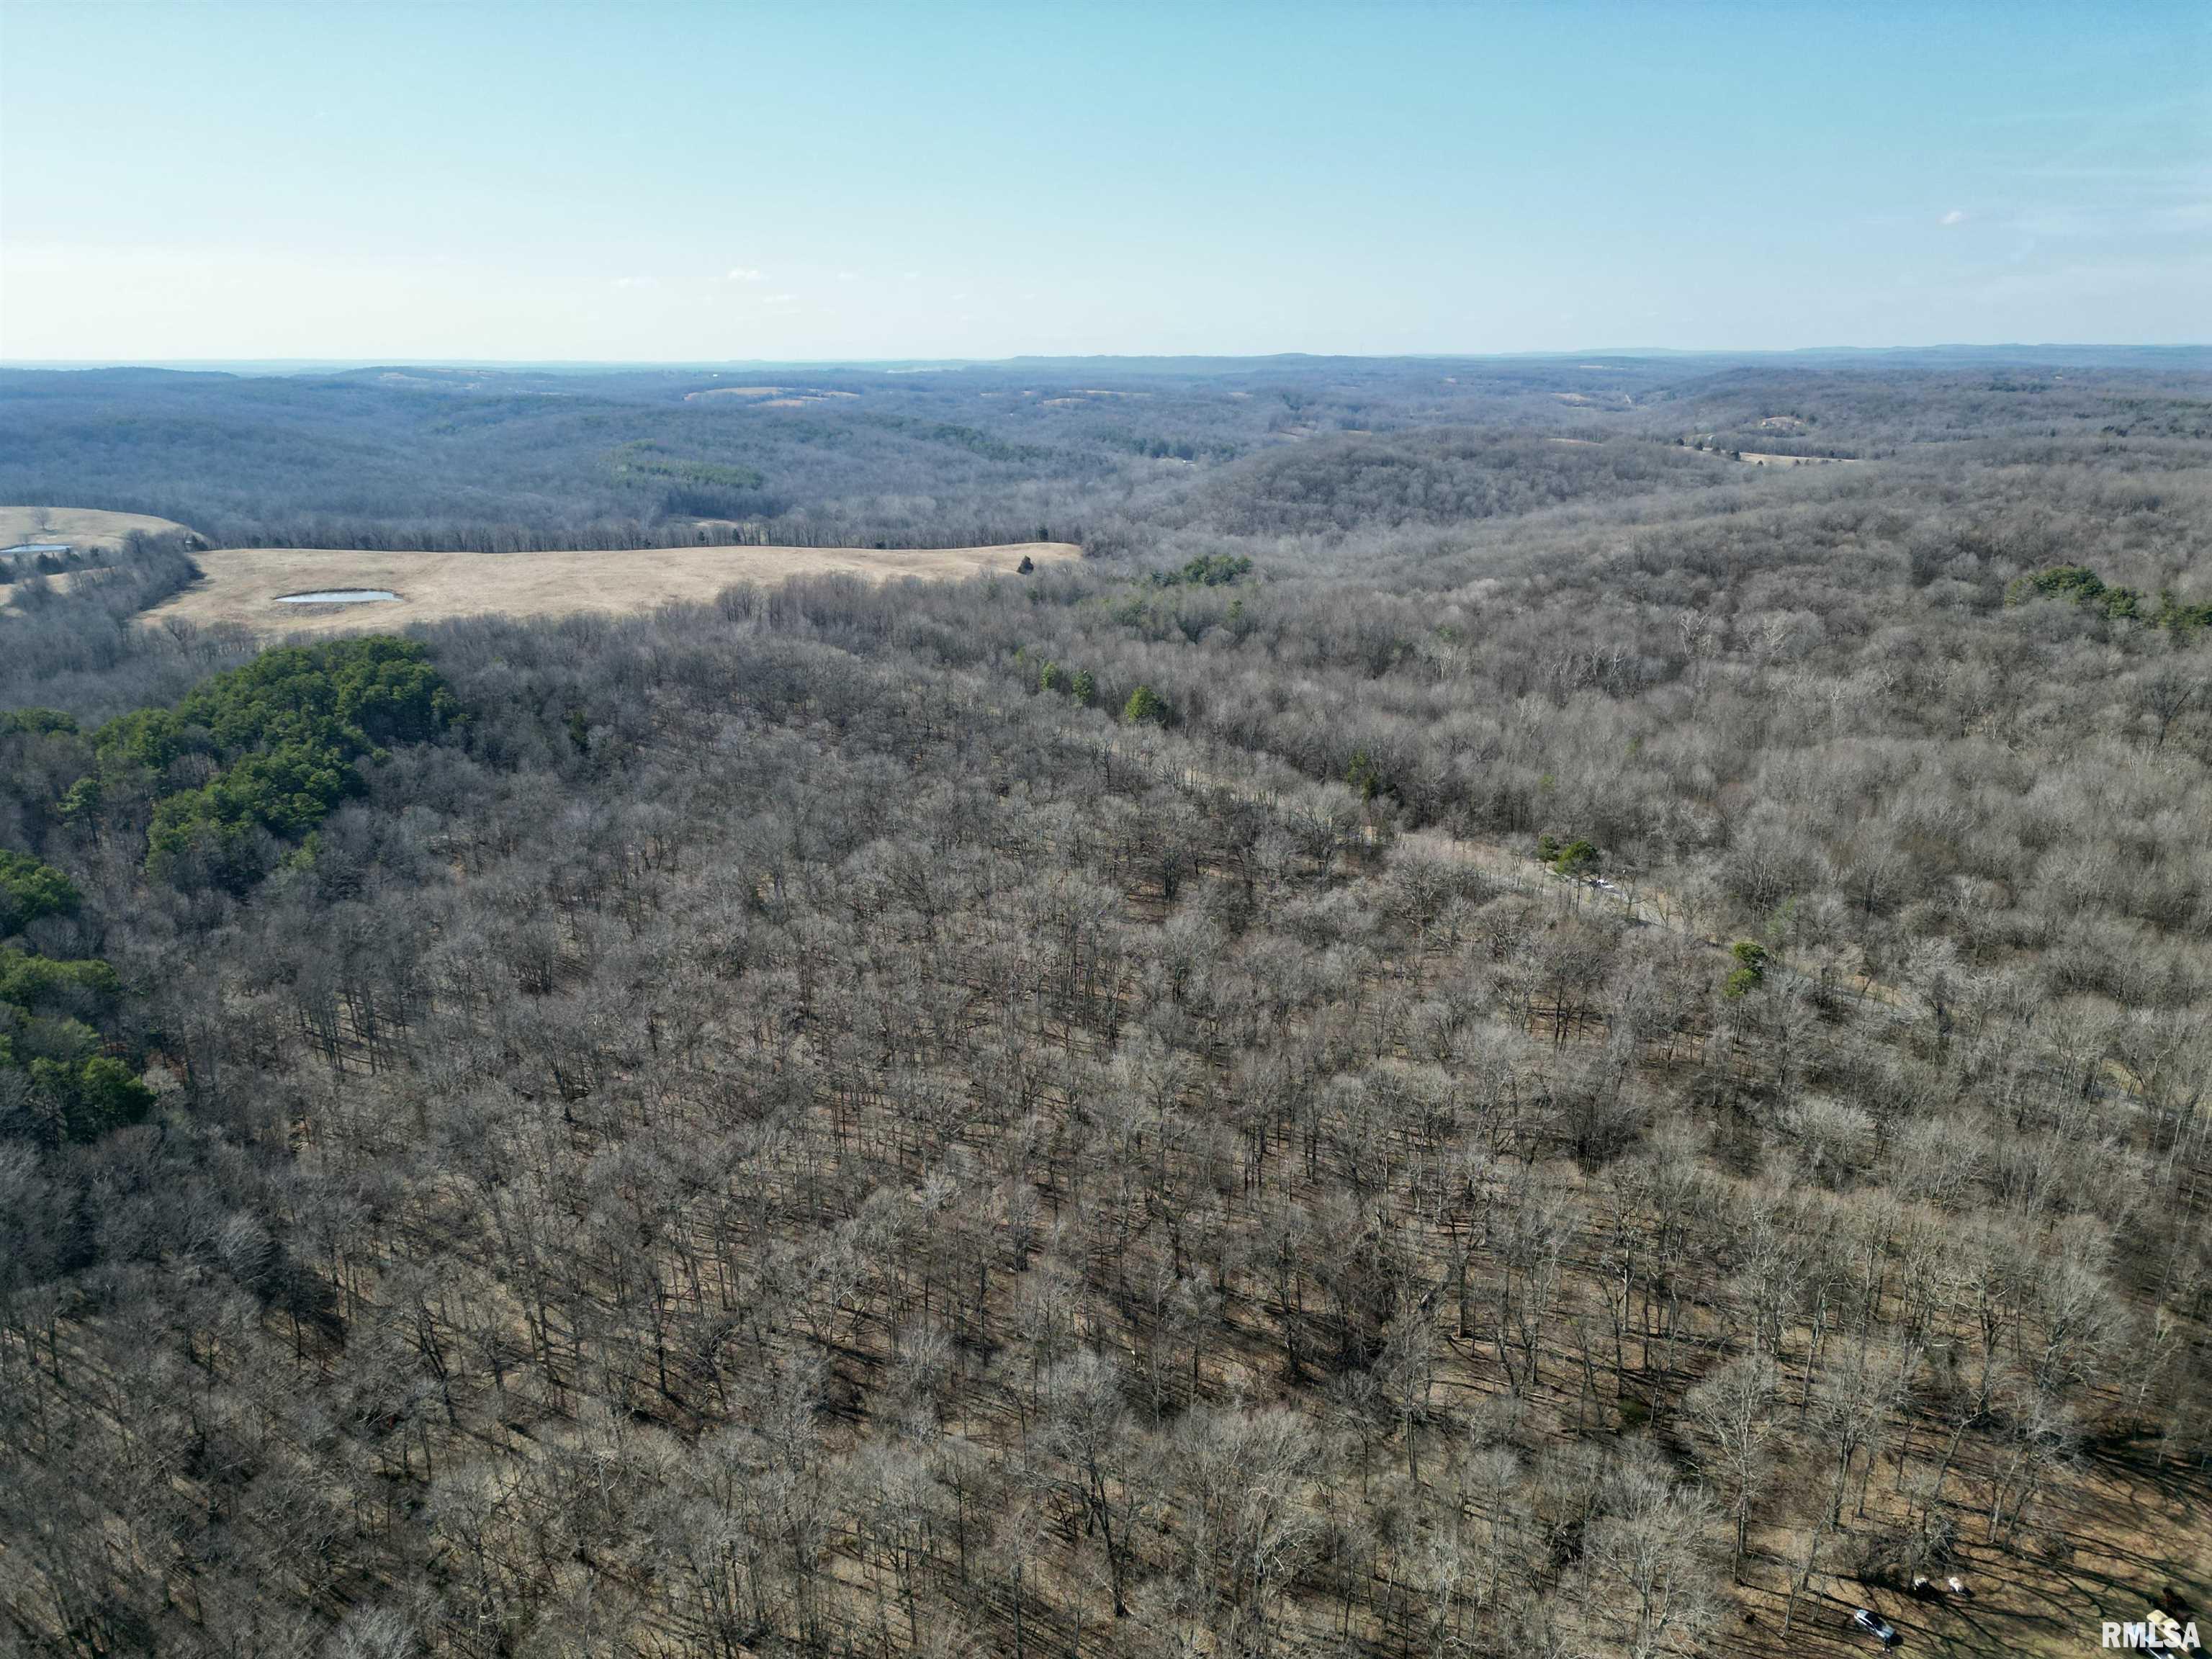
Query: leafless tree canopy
pixel 1492 1031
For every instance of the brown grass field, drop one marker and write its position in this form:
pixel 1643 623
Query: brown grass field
pixel 1765 457
pixel 769 397
pixel 242 584
pixel 80 526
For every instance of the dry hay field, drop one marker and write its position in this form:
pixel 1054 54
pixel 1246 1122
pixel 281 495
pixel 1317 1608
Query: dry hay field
pixel 82 527
pixel 1708 444
pixel 245 585
pixel 769 397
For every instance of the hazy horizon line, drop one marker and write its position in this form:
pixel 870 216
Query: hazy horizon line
pixel 296 363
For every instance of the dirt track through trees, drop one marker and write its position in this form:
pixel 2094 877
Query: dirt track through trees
pixel 1640 904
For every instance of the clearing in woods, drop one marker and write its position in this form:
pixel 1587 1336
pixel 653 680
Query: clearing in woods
pixel 247 586
pixel 82 527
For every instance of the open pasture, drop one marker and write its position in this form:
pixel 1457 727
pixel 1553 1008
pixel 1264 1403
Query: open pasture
pixel 82 528
pixel 257 587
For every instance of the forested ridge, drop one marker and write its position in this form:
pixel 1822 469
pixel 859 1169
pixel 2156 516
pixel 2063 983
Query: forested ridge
pixel 1491 1031
pixel 952 455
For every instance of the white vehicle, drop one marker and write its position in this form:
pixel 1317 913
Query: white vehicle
pixel 1875 1625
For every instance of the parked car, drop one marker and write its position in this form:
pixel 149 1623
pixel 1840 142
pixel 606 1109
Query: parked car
pixel 1875 1625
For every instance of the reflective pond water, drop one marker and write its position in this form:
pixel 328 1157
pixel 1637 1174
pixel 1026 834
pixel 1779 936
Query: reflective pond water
pixel 338 596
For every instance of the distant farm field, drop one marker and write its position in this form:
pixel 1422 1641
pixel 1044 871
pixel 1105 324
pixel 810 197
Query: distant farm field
pixel 81 527
pixel 247 586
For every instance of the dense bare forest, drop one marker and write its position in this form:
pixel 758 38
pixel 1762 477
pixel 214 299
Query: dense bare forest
pixel 1550 1008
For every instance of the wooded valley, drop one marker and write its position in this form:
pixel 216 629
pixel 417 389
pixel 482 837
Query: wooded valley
pixel 1492 1029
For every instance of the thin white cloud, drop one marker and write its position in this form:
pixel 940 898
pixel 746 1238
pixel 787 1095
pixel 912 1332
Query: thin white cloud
pixel 745 274
pixel 637 281
pixel 1954 217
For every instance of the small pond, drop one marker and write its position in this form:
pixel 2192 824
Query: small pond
pixel 36 547
pixel 339 596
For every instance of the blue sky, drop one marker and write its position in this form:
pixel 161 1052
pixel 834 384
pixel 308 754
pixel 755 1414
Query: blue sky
pixel 713 182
